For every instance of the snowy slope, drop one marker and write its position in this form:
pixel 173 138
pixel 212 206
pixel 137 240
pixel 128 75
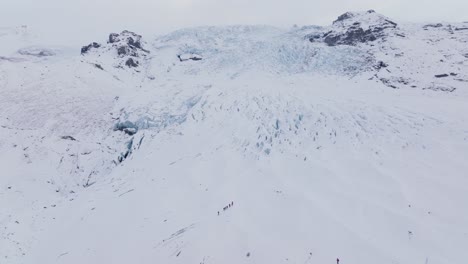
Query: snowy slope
pixel 347 147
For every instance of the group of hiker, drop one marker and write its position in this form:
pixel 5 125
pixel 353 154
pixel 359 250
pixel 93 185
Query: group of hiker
pixel 231 204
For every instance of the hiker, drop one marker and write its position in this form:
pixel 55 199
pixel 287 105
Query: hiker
pixel 218 212
pixel 337 261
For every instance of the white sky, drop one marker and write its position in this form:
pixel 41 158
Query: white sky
pixel 92 20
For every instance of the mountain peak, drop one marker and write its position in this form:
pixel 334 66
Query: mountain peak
pixel 366 19
pixel 349 15
pixel 126 45
pixel 352 28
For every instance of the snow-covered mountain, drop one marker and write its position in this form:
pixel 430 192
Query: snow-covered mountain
pixel 238 144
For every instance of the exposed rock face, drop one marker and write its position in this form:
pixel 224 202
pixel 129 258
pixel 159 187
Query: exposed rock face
pixel 85 49
pixel 344 16
pixel 438 25
pixel 353 28
pixel 131 63
pixel 69 138
pixel 441 75
pixel 380 65
pixel 113 37
pixel 98 66
pixel 186 57
pixel 127 45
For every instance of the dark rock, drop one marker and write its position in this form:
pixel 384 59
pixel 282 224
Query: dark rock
pixel 113 37
pixel 388 83
pixel 127 51
pixel 134 43
pixel 85 49
pixel 98 66
pixel 314 37
pixel 380 65
pixel 393 24
pixel 351 33
pixel 126 43
pixel 458 29
pixel 453 74
pixel 127 48
pixel 122 51
pixel 441 75
pixel 130 39
pixel 438 25
pixel 186 57
pixel 131 63
pixel 351 37
pixel 438 87
pixel 395 82
pixel 327 34
pixel 69 138
pixel 344 16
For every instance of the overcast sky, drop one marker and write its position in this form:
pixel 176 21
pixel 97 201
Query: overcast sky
pixel 88 20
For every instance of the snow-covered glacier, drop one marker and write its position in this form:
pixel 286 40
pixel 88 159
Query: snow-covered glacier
pixel 237 144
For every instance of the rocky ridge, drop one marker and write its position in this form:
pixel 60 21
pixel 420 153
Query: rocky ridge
pixel 127 47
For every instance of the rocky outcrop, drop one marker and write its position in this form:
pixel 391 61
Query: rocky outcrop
pixel 131 63
pixel 186 57
pixel 428 26
pixel 380 65
pixel 68 138
pixel 353 28
pixel 128 47
pixel 127 43
pixel 440 87
pixel 113 37
pixel 86 49
pixel 441 75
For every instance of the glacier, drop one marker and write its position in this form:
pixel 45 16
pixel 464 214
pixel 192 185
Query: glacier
pixel 332 142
